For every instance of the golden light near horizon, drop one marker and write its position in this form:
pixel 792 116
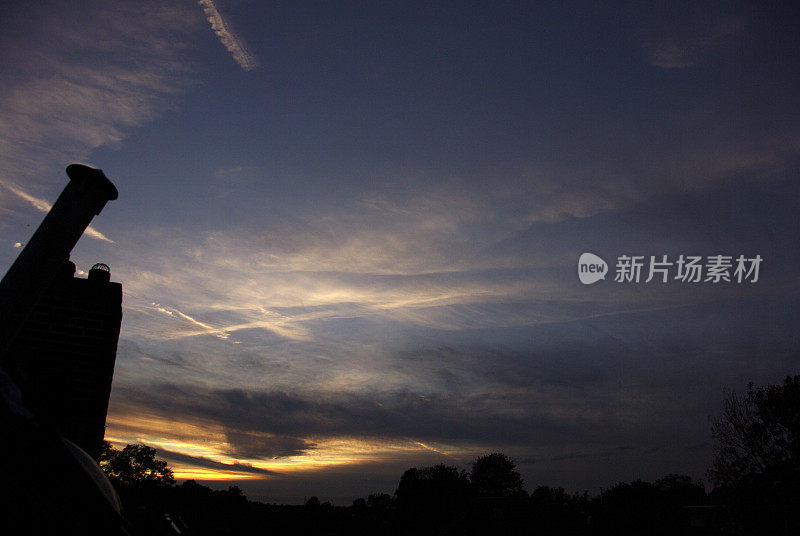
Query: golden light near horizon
pixel 207 443
pixel 183 471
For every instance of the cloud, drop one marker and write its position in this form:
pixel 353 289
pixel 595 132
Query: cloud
pixel 232 43
pixel 293 318
pixel 200 461
pixel 470 389
pixel 43 206
pixel 251 418
pixel 591 386
pixel 39 204
pixel 84 78
pixel 248 444
pixel 693 42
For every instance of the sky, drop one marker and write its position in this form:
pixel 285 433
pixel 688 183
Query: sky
pixel 348 233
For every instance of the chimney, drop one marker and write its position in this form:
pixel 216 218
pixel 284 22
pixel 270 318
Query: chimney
pixel 48 249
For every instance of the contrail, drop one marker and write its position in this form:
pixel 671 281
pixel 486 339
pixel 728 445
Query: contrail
pixel 173 312
pixel 246 61
pixel 43 206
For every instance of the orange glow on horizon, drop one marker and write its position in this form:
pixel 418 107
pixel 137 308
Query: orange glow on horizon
pixel 208 441
pixel 183 471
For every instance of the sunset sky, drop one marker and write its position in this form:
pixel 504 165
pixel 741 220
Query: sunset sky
pixel 348 232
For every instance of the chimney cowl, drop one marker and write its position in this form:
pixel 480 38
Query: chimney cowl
pixel 100 272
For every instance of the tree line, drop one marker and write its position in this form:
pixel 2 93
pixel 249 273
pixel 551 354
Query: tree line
pixel 755 474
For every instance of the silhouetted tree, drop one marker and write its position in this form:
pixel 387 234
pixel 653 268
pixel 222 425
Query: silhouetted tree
pixel 380 501
pixel 135 465
pixel 495 475
pixel 554 511
pixel 499 504
pixel 757 458
pixel 758 434
pixel 430 500
pixel 375 515
pixel 647 508
pixel 681 490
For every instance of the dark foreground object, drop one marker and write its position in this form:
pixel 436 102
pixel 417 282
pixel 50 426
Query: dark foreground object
pixel 51 485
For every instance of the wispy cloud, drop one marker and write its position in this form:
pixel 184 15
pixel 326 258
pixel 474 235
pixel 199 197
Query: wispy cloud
pixel 113 68
pixel 229 39
pixel 43 206
pixel 688 46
